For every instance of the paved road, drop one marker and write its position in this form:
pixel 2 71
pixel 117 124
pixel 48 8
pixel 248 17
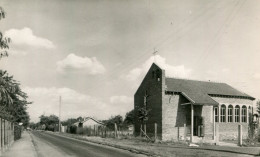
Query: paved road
pixel 52 145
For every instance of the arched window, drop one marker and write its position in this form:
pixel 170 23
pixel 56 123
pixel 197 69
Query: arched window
pixel 216 114
pixel 230 113
pixel 243 116
pixel 237 113
pixel 223 113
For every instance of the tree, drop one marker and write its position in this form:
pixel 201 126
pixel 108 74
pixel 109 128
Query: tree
pixel 258 107
pixel 4 41
pixel 143 114
pixel 69 121
pixel 114 119
pixel 51 122
pixel 129 117
pixel 13 101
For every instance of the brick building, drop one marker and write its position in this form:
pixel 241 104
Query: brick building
pixel 191 109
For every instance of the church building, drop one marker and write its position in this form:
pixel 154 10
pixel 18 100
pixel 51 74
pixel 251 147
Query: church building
pixel 191 109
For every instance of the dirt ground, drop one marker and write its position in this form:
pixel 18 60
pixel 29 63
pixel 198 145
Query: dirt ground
pixel 156 149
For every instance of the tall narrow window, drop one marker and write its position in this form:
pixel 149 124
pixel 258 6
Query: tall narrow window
pixel 223 113
pixel 243 116
pixel 230 113
pixel 216 114
pixel 237 113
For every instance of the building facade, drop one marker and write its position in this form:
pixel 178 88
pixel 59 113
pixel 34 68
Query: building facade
pixel 189 109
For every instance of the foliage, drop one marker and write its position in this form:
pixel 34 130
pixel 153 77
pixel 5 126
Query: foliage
pixel 79 119
pixel 143 113
pixel 69 122
pixel 4 41
pixel 73 129
pixel 13 101
pixel 17 132
pixel 129 117
pixel 112 120
pixel 258 107
pixel 51 122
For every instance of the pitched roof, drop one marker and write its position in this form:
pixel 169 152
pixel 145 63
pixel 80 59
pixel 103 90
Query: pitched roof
pixel 198 91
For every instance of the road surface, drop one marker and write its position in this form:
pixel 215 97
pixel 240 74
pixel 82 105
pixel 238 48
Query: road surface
pixel 49 145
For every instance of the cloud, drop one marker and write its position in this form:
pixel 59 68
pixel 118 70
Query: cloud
pixel 74 104
pixel 74 63
pixel 25 37
pixel 171 71
pixel 256 76
pixel 120 99
pixel 225 70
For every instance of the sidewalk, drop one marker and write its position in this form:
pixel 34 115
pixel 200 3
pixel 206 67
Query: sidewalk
pixel 22 147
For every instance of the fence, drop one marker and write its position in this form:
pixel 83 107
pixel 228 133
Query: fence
pixel 6 134
pixel 99 130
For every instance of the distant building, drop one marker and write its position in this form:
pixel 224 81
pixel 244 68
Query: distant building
pixel 199 105
pixel 89 126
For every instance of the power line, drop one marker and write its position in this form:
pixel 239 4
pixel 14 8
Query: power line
pixel 198 19
pixel 217 36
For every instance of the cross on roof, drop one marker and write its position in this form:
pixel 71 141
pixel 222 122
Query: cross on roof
pixel 154 54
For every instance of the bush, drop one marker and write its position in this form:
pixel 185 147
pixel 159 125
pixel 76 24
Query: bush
pixel 17 132
pixel 73 129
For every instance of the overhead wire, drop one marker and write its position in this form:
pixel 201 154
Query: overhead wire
pixel 133 62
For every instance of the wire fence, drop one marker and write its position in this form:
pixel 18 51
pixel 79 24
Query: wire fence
pixel 99 130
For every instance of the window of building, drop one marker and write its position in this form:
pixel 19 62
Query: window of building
pixel 230 113
pixel 237 113
pixel 243 116
pixel 216 114
pixel 223 113
pixel 158 75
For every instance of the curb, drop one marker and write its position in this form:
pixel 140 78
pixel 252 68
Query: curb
pixel 136 151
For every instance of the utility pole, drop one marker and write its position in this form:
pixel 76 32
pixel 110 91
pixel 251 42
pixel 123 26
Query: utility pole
pixel 59 115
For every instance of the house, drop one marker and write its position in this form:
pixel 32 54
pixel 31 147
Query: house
pixel 191 109
pixel 89 126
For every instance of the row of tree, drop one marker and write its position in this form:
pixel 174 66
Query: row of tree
pixel 13 101
pixel 50 123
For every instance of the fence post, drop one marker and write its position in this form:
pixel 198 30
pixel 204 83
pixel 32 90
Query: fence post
pixel 4 133
pixel 240 135
pixel 217 134
pixel 155 132
pixel 185 132
pixel 12 132
pixel 105 131
pixel 115 130
pixel 7 136
pixel 145 129
pixel 141 130
pixel 0 136
pixel 9 133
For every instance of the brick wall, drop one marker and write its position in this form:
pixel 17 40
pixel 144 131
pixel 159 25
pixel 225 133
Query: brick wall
pixel 207 113
pixel 152 85
pixel 170 115
pixel 229 130
pixel 174 117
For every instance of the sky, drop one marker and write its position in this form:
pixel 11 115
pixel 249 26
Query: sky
pixel 95 53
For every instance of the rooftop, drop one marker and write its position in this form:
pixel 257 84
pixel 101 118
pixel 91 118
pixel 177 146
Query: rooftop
pixel 200 92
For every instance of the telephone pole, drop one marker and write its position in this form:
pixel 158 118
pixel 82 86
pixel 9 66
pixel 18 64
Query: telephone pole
pixel 59 115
